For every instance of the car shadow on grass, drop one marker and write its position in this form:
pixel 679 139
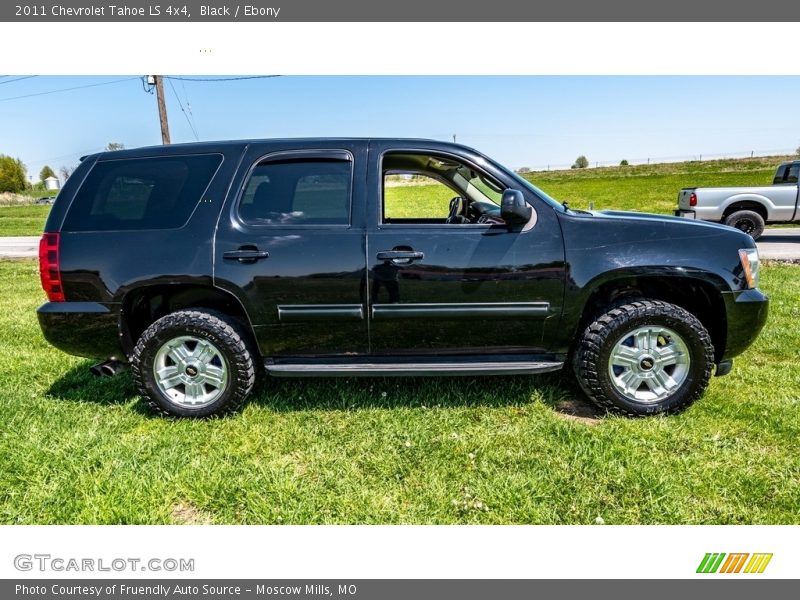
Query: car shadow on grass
pixel 555 390
pixel 80 385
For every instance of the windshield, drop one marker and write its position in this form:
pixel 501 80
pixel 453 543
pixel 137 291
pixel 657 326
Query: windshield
pixel 528 185
pixel 472 183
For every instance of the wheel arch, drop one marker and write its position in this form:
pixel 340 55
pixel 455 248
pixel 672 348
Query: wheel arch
pixel 700 295
pixel 755 203
pixel 144 305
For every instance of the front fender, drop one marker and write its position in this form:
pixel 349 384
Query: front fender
pixel 601 249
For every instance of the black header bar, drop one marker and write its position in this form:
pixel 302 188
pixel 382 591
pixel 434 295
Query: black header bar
pixel 405 11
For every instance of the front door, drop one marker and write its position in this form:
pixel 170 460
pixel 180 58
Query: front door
pixel 291 246
pixel 446 274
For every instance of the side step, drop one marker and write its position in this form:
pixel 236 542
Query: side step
pixel 411 369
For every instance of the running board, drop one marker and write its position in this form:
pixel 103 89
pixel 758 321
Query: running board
pixel 411 369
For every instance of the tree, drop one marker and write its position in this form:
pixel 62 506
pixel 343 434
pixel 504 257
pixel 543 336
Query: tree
pixel 111 146
pixel 798 151
pixel 65 172
pixel 523 170
pixel 12 175
pixel 46 172
pixel 623 162
pixel 580 163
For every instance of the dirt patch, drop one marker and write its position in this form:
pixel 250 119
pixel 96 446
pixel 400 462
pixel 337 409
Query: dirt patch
pixel 186 513
pixel 580 411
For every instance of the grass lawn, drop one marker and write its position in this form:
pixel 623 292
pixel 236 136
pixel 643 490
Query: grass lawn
pixel 75 449
pixel 23 220
pixel 643 188
pixel 650 188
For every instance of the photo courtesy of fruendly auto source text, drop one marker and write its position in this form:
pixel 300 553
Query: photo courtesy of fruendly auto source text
pixel 410 300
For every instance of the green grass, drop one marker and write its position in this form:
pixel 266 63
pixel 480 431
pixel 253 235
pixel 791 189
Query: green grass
pixel 23 220
pixel 643 188
pixel 418 201
pixel 650 188
pixel 75 449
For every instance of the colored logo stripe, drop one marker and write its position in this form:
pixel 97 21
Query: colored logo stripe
pixel 734 563
pixel 713 562
pixel 758 563
pixel 710 562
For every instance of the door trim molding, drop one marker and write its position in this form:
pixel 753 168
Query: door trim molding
pixel 293 313
pixel 460 310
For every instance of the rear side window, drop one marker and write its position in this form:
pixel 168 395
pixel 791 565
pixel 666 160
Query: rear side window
pixel 298 192
pixel 794 172
pixel 141 193
pixel 787 173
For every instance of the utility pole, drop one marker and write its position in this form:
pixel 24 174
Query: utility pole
pixel 158 81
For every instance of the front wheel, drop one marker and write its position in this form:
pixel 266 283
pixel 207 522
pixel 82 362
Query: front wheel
pixel 194 364
pixel 644 358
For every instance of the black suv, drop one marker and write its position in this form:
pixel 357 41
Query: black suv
pixel 202 265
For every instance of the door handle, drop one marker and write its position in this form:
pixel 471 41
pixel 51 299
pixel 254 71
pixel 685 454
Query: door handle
pixel 246 255
pixel 400 256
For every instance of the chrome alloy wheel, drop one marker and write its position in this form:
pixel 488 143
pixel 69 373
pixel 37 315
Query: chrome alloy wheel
pixel 190 371
pixel 649 364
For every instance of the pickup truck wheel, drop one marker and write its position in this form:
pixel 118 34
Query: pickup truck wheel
pixel 644 358
pixel 193 364
pixel 748 221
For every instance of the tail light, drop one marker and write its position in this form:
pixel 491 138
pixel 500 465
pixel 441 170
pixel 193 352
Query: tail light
pixel 693 199
pixel 49 267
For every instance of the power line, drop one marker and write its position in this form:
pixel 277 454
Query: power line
pixel 188 105
pixel 215 79
pixel 17 79
pixel 69 89
pixel 52 158
pixel 194 131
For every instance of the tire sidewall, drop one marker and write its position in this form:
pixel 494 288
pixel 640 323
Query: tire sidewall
pixel 169 328
pixel 697 366
pixel 750 215
pixel 595 356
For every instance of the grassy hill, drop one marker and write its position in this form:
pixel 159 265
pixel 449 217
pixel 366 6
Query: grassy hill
pixel 650 188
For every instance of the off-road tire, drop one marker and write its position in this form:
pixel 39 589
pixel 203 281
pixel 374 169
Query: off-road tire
pixel 225 333
pixel 748 221
pixel 591 359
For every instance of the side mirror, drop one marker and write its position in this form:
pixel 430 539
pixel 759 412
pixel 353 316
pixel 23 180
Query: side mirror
pixel 513 208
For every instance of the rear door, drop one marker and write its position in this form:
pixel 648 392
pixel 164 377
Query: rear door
pixel 290 245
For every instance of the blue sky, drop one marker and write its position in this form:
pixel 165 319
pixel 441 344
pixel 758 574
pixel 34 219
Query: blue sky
pixel 531 121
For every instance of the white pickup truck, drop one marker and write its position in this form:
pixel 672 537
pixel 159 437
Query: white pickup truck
pixel 746 208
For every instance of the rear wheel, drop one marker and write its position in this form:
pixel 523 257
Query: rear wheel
pixel 748 221
pixel 194 364
pixel 644 358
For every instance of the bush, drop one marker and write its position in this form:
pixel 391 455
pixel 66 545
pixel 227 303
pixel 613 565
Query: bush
pixel 580 163
pixel 623 163
pixel 12 175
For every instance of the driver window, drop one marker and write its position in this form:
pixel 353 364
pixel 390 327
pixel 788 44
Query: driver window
pixel 408 195
pixel 429 189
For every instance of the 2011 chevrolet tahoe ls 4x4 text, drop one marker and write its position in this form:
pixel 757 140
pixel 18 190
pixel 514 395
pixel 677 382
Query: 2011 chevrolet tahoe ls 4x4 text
pixel 204 265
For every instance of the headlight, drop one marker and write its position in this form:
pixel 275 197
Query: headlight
pixel 750 264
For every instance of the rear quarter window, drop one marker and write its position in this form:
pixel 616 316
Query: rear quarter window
pixel 141 193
